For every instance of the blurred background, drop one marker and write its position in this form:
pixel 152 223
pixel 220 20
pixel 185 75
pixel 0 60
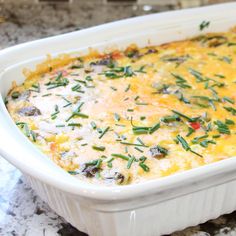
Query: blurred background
pixel 24 20
pixel 21 211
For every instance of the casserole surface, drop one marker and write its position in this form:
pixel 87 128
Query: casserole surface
pixel 128 116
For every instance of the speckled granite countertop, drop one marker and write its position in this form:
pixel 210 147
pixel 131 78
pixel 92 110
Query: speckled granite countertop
pixel 21 211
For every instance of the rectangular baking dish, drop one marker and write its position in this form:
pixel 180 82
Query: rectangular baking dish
pixel 153 208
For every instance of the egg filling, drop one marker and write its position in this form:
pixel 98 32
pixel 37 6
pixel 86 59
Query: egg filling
pixel 129 116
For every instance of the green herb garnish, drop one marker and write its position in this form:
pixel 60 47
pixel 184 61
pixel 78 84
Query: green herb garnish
pixel 231 110
pixel 117 117
pixel 144 167
pixel 133 144
pixel 104 132
pixel 154 128
pixel 36 88
pixel 185 145
pixel 203 25
pixel 185 116
pixel 180 81
pixel 120 156
pixel 222 127
pixel 99 148
pixel 93 124
pixel 75 124
pixel 127 88
pixel 130 162
pixel 138 149
pixel 59 82
pixel 229 122
pixel 228 99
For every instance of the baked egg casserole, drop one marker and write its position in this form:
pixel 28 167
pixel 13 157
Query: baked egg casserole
pixel 125 117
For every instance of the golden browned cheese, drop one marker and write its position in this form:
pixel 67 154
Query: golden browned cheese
pixel 129 116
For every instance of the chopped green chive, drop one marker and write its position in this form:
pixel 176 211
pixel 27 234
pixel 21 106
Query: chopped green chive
pixel 180 81
pixel 231 44
pixel 127 88
pixel 144 167
pixel 109 162
pixel 196 139
pixel 99 148
pixel 138 149
pixel 74 124
pixel 59 82
pixel 79 114
pixel 206 142
pixel 72 172
pixel 222 127
pixel 184 116
pixel 36 88
pixel 190 131
pixel 183 142
pixel 228 99
pixel 203 25
pixel 93 124
pixel 185 145
pixel 226 59
pixel 141 69
pixel 141 103
pixel 229 122
pixel 46 95
pixel 60 126
pixel 133 144
pixel 169 119
pixel 140 141
pixel 113 88
pixel 231 110
pixel 130 162
pixel 104 132
pixel 154 128
pixel 88 78
pixel 141 130
pixel 33 135
pixel 117 117
pixel 120 156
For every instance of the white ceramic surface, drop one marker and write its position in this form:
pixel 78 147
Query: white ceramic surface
pixel 152 208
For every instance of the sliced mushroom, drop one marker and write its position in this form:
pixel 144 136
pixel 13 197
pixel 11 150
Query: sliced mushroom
pixel 107 61
pixel 117 177
pixel 90 169
pixel 158 151
pixel 29 111
pixel 151 50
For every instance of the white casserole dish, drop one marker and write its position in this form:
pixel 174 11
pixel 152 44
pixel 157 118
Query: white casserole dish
pixel 153 208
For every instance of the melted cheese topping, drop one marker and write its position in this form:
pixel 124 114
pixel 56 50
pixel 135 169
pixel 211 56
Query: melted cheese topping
pixel 133 115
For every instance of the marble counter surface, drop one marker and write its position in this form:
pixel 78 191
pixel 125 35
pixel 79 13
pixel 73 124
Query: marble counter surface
pixel 21 211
